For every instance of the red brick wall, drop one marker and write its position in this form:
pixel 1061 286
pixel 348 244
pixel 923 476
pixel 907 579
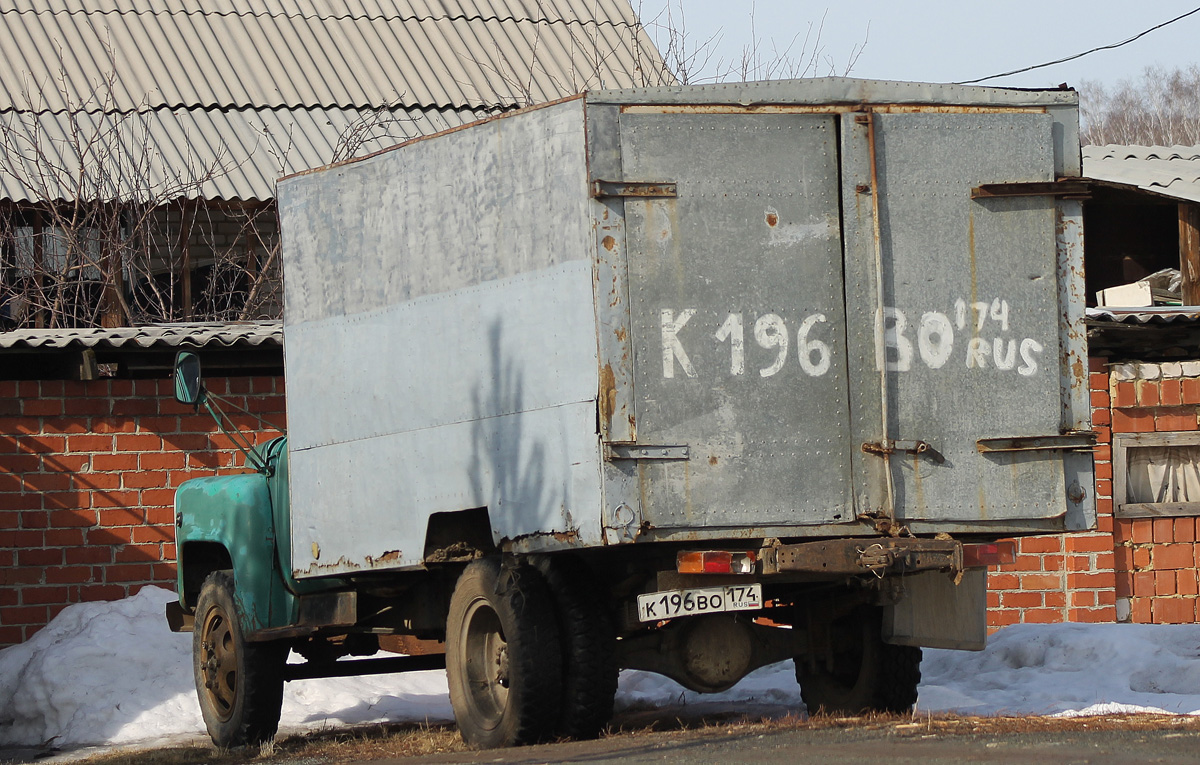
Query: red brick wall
pixel 1138 570
pixel 88 473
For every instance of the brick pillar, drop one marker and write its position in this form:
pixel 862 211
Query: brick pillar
pixel 1156 558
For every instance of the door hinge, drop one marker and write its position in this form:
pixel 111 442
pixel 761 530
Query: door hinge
pixel 1073 442
pixel 643 452
pixel 644 189
pixel 1073 188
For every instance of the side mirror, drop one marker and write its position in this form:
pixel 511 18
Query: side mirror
pixel 188 388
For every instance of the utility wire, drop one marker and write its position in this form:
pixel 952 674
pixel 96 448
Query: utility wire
pixel 1086 52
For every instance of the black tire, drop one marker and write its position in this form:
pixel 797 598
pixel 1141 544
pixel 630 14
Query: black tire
pixel 240 684
pixel 868 675
pixel 589 647
pixel 503 662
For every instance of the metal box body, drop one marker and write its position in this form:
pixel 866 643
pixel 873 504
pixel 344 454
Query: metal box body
pixel 691 313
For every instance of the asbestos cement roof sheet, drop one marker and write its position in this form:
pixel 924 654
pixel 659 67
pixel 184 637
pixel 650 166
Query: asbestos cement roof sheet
pixel 127 55
pixel 266 334
pixel 1163 315
pixel 166 154
pixel 1172 171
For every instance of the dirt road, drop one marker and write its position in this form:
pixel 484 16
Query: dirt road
pixel 893 744
pixel 680 735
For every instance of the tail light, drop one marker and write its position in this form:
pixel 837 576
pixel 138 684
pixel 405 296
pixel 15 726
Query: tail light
pixel 715 562
pixel 989 554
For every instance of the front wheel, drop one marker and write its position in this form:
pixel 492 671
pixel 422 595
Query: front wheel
pixel 867 674
pixel 240 684
pixel 503 662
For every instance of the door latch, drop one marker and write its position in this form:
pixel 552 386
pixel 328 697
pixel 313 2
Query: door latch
pixel 887 446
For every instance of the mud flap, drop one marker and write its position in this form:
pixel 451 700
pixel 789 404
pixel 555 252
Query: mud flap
pixel 179 620
pixel 937 613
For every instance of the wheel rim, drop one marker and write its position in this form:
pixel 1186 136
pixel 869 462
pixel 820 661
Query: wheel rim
pixel 218 663
pixel 485 662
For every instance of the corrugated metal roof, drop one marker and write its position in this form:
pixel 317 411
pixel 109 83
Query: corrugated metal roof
pixel 1170 170
pixel 196 153
pixel 223 335
pixel 128 55
pixel 1163 315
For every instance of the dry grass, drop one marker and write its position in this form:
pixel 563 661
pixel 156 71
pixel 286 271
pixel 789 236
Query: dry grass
pixel 319 748
pixel 398 741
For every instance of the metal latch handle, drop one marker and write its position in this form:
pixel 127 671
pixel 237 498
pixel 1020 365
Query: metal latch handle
pixel 887 446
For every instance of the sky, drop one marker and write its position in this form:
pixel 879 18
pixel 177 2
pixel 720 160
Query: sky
pixel 938 40
pixel 112 674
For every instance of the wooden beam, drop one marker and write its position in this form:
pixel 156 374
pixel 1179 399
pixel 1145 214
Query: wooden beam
pixel 1189 251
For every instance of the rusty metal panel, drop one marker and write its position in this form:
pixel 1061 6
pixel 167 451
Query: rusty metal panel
pixel 440 338
pixel 940 611
pixel 735 297
pixel 955 323
pixel 610 324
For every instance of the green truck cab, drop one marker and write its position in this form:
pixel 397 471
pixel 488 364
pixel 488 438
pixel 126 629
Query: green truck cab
pixel 236 592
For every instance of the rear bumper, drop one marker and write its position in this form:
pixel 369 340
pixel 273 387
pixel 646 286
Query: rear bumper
pixel 879 556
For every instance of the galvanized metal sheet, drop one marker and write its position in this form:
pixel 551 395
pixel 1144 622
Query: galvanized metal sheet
pixel 847 94
pixel 441 343
pixel 480 397
pixel 964 324
pixel 501 323
pixel 735 294
pixel 503 198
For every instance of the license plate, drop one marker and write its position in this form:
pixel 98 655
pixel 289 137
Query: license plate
pixel 655 606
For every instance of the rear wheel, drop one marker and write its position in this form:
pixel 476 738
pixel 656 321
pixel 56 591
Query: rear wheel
pixel 239 684
pixel 867 674
pixel 503 663
pixel 588 647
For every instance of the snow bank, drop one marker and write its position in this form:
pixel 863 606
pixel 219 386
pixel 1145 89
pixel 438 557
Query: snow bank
pixel 100 672
pixel 112 673
pixel 1069 669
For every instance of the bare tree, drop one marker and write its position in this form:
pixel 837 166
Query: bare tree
pixel 692 62
pixel 1160 108
pixel 109 231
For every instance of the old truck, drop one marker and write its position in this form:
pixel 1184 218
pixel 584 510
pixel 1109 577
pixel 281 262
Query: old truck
pixel 687 379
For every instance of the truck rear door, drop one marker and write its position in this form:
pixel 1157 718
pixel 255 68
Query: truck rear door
pixel 953 315
pixel 826 324
pixel 737 319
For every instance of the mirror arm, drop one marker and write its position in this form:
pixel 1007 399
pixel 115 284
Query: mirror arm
pixel 239 439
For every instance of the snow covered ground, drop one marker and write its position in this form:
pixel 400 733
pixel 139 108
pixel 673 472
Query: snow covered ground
pixel 111 673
